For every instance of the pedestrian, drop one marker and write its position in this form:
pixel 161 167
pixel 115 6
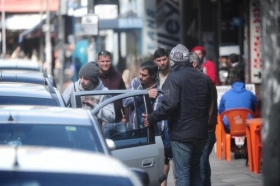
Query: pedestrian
pixel 237 97
pixel 145 81
pixel 208 66
pixel 205 168
pixel 162 60
pixel 236 68
pixel 186 101
pixel 89 80
pixel 112 79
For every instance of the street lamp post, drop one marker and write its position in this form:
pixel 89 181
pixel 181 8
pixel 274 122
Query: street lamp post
pixel 3 30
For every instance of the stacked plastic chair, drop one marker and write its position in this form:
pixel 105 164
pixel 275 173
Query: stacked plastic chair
pixel 237 122
pixel 257 149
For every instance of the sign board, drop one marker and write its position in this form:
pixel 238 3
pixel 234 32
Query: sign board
pixel 90 24
pixel 222 89
pixel 255 41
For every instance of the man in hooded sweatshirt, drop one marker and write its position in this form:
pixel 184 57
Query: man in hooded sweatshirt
pixel 89 80
pixel 237 97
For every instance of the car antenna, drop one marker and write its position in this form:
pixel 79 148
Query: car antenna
pixel 10 116
pixel 16 157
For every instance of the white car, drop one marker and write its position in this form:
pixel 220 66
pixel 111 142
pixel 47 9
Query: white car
pixel 141 148
pixel 41 166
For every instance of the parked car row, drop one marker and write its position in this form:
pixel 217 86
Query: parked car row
pixel 33 113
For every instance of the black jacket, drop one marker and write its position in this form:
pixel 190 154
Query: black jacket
pixel 186 103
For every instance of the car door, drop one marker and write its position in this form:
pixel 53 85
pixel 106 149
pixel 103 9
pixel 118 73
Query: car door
pixel 140 147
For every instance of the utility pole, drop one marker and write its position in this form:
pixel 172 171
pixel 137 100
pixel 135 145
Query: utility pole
pixel 3 30
pixel 61 34
pixel 91 39
pixel 48 47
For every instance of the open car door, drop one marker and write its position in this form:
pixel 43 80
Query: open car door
pixel 138 147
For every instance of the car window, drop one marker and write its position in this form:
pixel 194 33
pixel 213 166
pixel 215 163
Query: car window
pixel 76 137
pixel 129 134
pixel 9 178
pixel 13 100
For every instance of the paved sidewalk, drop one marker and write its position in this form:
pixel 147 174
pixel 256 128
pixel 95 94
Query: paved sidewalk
pixel 224 173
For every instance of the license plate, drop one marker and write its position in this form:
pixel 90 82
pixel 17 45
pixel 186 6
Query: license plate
pixel 239 141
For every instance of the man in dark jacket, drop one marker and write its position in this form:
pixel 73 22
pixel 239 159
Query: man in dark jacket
pixel 205 169
pixel 112 79
pixel 186 104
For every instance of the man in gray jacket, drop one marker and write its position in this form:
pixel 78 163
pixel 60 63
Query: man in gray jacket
pixel 89 80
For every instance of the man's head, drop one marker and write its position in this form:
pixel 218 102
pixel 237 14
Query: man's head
pixel 104 61
pixel 179 56
pixel 232 58
pixel 147 73
pixel 161 58
pixel 194 59
pixel 88 75
pixel 200 51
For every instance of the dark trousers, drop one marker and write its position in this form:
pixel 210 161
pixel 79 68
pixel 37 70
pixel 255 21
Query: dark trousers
pixel 205 169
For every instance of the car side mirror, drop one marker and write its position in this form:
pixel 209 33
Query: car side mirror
pixel 111 144
pixel 142 175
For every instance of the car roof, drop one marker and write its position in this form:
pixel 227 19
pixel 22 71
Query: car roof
pixel 23 90
pixel 19 64
pixel 42 159
pixel 24 114
pixel 24 76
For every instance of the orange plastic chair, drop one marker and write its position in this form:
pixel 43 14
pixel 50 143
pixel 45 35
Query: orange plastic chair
pixel 258 150
pixel 219 138
pixel 237 122
pixel 249 147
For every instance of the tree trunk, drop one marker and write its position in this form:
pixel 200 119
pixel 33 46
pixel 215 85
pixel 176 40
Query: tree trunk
pixel 271 91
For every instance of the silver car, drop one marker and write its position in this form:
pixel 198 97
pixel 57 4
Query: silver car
pixel 50 127
pixel 12 93
pixel 19 64
pixel 142 147
pixel 39 166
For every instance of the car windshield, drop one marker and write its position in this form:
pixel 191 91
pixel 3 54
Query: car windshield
pixel 9 178
pixel 13 100
pixel 76 137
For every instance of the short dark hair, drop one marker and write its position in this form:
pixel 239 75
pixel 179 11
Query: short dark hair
pixel 233 58
pixel 160 52
pixel 105 53
pixel 150 66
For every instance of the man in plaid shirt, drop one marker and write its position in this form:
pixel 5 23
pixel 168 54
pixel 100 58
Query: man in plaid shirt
pixel 145 81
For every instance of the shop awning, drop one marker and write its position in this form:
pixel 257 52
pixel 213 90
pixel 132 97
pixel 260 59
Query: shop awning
pixel 29 5
pixel 23 21
pixel 34 28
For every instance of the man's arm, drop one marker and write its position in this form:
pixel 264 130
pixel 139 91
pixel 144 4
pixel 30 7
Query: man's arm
pixel 107 113
pixel 134 85
pixel 222 105
pixel 170 101
pixel 67 94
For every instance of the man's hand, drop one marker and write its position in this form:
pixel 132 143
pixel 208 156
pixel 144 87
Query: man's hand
pixel 153 93
pixel 88 102
pixel 146 122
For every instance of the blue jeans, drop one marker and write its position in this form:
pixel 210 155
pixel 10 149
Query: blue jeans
pixel 205 169
pixel 186 157
pixel 114 130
